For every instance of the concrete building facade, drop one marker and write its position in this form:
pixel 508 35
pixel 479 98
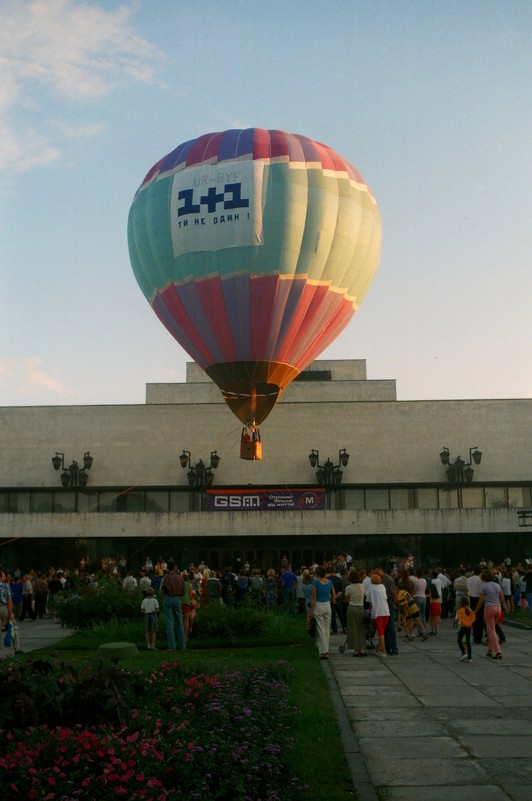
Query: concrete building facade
pixel 394 496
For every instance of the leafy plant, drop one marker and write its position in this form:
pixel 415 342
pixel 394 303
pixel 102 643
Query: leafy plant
pixel 96 603
pixel 229 624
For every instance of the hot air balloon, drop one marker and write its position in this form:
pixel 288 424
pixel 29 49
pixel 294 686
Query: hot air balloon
pixel 254 248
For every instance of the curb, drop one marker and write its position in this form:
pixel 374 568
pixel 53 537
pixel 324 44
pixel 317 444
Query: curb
pixel 355 761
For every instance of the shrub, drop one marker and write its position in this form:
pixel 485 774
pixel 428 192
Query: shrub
pixel 98 603
pixel 229 624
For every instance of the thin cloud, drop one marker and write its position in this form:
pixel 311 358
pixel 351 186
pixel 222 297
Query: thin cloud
pixel 28 377
pixel 68 51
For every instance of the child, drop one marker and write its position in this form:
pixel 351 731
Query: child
pixel 466 617
pixel 434 609
pixel 150 609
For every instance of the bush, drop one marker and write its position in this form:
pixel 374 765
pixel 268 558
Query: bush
pixel 39 692
pixel 229 624
pixel 92 604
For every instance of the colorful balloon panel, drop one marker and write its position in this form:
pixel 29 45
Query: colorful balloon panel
pixel 254 248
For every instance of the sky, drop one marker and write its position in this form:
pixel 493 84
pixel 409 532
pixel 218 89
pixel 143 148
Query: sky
pixel 430 100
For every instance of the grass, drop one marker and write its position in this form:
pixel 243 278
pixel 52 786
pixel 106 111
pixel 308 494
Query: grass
pixel 317 754
pixel 523 617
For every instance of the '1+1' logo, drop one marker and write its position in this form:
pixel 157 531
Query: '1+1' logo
pixel 211 200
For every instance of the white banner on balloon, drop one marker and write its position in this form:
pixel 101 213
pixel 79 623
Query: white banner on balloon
pixel 216 206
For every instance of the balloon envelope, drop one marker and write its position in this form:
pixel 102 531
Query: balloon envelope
pixel 254 248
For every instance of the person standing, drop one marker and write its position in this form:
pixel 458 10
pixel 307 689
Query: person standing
pixel 228 586
pixel 527 579
pixel 17 596
pixel 306 589
pixel 460 588
pixel 356 632
pixel 150 609
pixel 419 589
pixel 6 611
pixel 390 634
pixel 144 582
pixel 129 583
pixel 445 585
pixel 288 582
pixel 212 589
pixel 186 602
pixel 492 599
pixel 320 609
pixel 40 592
pixel 409 608
pixel 466 618
pixel 434 609
pixel 337 606
pixel 172 588
pixel 473 590
pixel 380 611
pixel 27 600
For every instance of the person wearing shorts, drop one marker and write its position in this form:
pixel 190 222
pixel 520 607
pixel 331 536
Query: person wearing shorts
pixel 150 609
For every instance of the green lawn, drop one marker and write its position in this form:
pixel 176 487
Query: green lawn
pixel 524 618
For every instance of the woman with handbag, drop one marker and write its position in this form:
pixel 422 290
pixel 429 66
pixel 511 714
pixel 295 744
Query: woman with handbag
pixel 409 609
pixel 320 609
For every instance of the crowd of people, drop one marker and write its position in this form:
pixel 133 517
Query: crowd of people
pixel 403 599
pixel 391 598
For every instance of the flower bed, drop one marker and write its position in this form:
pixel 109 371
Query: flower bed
pixel 190 736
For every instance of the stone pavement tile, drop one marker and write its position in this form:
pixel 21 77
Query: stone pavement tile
pixel 518 793
pixel 524 671
pixel 503 681
pixel 406 747
pixel 492 745
pixel 397 702
pixel 515 700
pixel 515 771
pixel 416 772
pixel 479 713
pixel 382 679
pixel 362 713
pixel 469 698
pixel 370 690
pixel 472 792
pixel 509 725
pixel 396 728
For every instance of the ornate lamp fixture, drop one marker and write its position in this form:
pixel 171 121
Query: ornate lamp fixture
pixel 73 476
pixel 329 475
pixel 200 476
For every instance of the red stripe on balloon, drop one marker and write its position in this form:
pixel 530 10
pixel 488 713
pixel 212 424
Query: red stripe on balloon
pixel 261 144
pixel 300 323
pixel 326 332
pixel 210 293
pixel 262 300
pixel 171 301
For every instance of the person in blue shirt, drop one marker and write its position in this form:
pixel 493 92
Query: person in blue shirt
pixel 288 582
pixel 6 611
pixel 320 608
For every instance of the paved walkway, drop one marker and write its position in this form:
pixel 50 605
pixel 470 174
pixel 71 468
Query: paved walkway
pixel 423 726
pixel 35 634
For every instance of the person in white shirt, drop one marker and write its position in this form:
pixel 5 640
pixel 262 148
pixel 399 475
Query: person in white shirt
pixel 150 609
pixel 473 590
pixel 130 582
pixel 444 595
